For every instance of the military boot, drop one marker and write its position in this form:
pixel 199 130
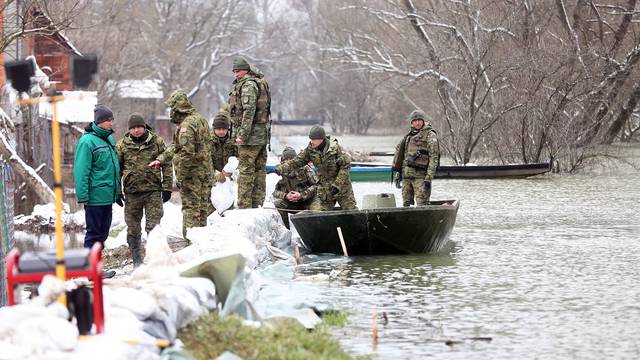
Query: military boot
pixel 136 251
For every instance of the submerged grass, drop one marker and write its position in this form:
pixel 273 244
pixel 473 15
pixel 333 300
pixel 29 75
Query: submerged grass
pixel 210 336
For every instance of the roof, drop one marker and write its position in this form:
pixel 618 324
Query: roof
pixel 136 89
pixel 76 108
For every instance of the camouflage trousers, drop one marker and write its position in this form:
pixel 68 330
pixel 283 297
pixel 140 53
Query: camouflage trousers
pixel 414 187
pixel 324 200
pixel 149 204
pixel 252 179
pixel 288 205
pixel 196 202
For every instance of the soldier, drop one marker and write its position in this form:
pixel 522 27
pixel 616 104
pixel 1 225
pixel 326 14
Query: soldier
pixel 250 111
pixel 333 166
pixel 222 145
pixel 191 155
pixel 145 188
pixel 416 158
pixel 296 189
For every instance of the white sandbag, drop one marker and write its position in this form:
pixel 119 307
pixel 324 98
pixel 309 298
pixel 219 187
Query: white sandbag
pixel 222 196
pixel 232 165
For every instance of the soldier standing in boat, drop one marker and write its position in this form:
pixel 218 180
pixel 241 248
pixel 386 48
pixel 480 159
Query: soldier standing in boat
pixel 296 189
pixel 333 166
pixel 416 159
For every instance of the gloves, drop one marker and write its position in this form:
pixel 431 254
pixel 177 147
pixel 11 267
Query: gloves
pixel 397 181
pixel 221 177
pixel 120 200
pixel 334 190
pixel 427 185
pixel 278 170
pixel 166 195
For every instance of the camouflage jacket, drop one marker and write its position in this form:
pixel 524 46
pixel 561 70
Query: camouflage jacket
pixel 302 180
pixel 221 150
pixel 249 108
pixel 134 158
pixel 421 154
pixel 191 149
pixel 332 163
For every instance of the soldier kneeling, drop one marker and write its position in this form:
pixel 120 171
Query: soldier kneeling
pixel 296 189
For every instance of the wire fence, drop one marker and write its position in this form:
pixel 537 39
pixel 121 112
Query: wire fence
pixel 7 188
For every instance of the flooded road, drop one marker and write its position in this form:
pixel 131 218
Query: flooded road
pixel 546 267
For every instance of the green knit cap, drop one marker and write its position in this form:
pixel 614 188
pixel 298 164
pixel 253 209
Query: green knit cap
pixel 288 153
pixel 417 115
pixel 240 63
pixel 317 132
pixel 136 119
pixel 220 121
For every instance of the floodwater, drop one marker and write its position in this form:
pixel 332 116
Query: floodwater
pixel 539 268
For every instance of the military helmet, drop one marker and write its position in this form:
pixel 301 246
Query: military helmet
pixel 288 153
pixel 317 132
pixel 220 121
pixel 136 119
pixel 240 63
pixel 178 101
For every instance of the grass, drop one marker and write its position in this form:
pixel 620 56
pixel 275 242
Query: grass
pixel 210 336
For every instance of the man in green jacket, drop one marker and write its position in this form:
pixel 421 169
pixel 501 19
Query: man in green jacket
pixel 96 173
pixel 145 188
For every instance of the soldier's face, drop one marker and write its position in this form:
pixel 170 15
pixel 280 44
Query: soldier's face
pixel 315 142
pixel 220 132
pixel 417 124
pixel 137 131
pixel 238 74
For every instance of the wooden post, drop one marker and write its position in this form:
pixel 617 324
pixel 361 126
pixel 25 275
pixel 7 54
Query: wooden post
pixel 374 335
pixel 344 246
pixel 297 253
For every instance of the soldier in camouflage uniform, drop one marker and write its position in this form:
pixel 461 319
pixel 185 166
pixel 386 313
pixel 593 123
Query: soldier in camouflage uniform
pixel 191 155
pixel 296 189
pixel 250 112
pixel 222 145
pixel 333 164
pixel 145 188
pixel 417 157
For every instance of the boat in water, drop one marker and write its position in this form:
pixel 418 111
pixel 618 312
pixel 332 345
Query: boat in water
pixel 379 172
pixel 380 228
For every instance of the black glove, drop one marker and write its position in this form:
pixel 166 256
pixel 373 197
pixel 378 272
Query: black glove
pixel 334 190
pixel 166 195
pixel 427 185
pixel 120 200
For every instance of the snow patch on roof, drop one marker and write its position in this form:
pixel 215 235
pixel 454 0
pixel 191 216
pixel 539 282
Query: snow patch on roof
pixel 77 107
pixel 136 89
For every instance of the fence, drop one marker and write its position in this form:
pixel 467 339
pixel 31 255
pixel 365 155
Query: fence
pixel 7 189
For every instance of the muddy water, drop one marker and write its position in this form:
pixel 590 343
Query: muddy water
pixel 545 267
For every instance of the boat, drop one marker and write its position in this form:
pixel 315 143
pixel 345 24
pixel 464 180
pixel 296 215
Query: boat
pixel 377 172
pixel 381 229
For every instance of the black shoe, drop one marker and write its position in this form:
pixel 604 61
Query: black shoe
pixel 108 274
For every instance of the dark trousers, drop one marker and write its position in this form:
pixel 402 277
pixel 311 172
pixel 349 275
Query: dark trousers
pixel 98 219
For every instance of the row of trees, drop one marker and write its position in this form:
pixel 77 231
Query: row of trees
pixel 520 80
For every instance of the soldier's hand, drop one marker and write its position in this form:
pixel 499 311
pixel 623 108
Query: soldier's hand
pixel 166 195
pixel 334 190
pixel 427 185
pixel 221 177
pixel 155 164
pixel 278 170
pixel 120 200
pixel 239 141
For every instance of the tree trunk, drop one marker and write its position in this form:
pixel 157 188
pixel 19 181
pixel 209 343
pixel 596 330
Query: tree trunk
pixel 625 114
pixel 31 178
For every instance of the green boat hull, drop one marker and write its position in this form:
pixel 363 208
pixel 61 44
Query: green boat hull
pixel 384 231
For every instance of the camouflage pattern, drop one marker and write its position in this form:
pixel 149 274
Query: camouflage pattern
pixel 134 156
pixel 191 155
pixel 419 162
pixel 252 179
pixel 221 150
pixel 250 108
pixel 334 182
pixel 149 203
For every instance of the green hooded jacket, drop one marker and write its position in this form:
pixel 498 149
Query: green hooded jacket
pixel 96 171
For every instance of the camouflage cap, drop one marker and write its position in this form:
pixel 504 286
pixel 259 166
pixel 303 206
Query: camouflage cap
pixel 288 153
pixel 240 63
pixel 317 132
pixel 220 121
pixel 418 115
pixel 136 119
pixel 178 101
